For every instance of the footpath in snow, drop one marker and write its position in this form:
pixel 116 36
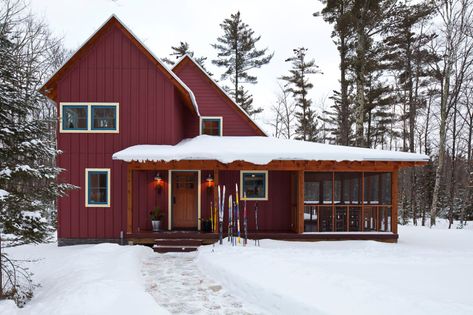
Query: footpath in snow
pixel 430 271
pixel 177 284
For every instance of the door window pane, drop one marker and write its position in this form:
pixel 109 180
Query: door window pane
pixel 326 219
pixel 355 219
pixel 310 218
pixel 341 219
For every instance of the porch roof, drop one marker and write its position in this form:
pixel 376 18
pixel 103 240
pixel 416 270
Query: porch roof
pixel 258 150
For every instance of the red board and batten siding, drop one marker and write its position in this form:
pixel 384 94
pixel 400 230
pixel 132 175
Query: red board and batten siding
pixel 113 70
pixel 213 102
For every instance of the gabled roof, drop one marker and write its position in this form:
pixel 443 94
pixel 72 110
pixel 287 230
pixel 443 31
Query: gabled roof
pixel 260 150
pixel 181 61
pixel 49 88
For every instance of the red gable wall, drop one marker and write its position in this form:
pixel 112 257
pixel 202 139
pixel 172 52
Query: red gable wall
pixel 151 111
pixel 213 102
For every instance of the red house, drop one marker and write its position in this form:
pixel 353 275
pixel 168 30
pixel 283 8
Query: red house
pixel 136 135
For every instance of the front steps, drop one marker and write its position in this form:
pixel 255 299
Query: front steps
pixel 177 245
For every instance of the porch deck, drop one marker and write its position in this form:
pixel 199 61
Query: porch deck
pixel 150 237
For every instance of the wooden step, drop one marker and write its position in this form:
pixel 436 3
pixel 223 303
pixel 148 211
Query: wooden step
pixel 174 249
pixel 178 242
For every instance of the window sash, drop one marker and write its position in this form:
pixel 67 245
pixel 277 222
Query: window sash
pixel 65 115
pixel 211 126
pixel 97 117
pixel 249 180
pixel 98 190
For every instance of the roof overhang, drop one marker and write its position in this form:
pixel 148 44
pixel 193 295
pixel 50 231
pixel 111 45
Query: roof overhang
pixel 246 152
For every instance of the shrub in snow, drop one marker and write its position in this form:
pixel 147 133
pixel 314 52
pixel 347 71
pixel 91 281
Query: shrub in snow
pixel 17 283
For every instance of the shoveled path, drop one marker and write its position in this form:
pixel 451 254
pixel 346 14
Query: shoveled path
pixel 178 285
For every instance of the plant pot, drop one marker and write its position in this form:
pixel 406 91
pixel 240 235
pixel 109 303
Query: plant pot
pixel 156 225
pixel 206 226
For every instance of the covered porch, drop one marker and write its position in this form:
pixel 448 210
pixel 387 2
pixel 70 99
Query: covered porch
pixel 313 191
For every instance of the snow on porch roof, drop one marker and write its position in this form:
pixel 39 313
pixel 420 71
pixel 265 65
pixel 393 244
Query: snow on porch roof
pixel 258 150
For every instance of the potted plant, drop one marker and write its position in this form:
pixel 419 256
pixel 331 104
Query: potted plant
pixel 156 217
pixel 206 225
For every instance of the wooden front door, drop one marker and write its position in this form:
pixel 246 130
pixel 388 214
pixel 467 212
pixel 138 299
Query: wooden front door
pixel 184 199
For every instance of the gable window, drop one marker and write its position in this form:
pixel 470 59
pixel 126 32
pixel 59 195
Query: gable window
pixel 74 117
pixel 97 192
pixel 104 117
pixel 211 126
pixel 254 185
pixel 89 117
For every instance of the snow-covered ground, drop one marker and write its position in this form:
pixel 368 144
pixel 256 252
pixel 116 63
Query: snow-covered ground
pixel 429 271
pixel 85 279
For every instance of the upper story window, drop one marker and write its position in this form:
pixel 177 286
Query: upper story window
pixel 89 117
pixel 211 126
pixel 104 117
pixel 74 117
pixel 97 192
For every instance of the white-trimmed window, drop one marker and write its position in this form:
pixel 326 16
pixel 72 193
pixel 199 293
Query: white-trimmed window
pixel 97 187
pixel 211 125
pixel 89 117
pixel 254 185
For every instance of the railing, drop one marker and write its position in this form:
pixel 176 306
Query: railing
pixel 347 218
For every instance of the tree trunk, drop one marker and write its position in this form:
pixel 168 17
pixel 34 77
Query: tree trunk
pixel 360 84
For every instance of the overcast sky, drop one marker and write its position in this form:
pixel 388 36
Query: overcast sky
pixel 283 25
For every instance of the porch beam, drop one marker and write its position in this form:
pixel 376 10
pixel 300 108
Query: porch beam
pixel 293 165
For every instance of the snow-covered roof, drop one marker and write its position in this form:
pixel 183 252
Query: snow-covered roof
pixel 258 150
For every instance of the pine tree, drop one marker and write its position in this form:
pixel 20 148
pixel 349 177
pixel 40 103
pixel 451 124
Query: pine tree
pixel 298 84
pixel 237 54
pixel 27 173
pixel 181 50
pixel 338 13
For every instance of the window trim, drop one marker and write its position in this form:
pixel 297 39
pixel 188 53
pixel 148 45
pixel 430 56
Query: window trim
pixel 97 205
pixel 266 195
pixel 89 106
pixel 202 118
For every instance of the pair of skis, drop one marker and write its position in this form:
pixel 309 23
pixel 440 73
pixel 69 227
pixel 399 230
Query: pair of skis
pixel 234 233
pixel 221 208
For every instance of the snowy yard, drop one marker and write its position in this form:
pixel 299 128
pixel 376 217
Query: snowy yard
pixel 427 272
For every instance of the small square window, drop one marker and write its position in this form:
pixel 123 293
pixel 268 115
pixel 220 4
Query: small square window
pixel 74 117
pixel 97 187
pixel 254 185
pixel 211 126
pixel 104 117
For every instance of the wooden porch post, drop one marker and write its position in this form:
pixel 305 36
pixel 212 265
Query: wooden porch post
pixel 300 201
pixel 129 228
pixel 394 189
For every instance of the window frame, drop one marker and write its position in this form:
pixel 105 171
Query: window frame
pixel 63 117
pixel 92 117
pixel 89 106
pixel 219 118
pixel 242 190
pixel 88 204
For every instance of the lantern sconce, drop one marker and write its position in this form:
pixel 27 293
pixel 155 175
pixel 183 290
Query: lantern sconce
pixel 210 181
pixel 159 181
